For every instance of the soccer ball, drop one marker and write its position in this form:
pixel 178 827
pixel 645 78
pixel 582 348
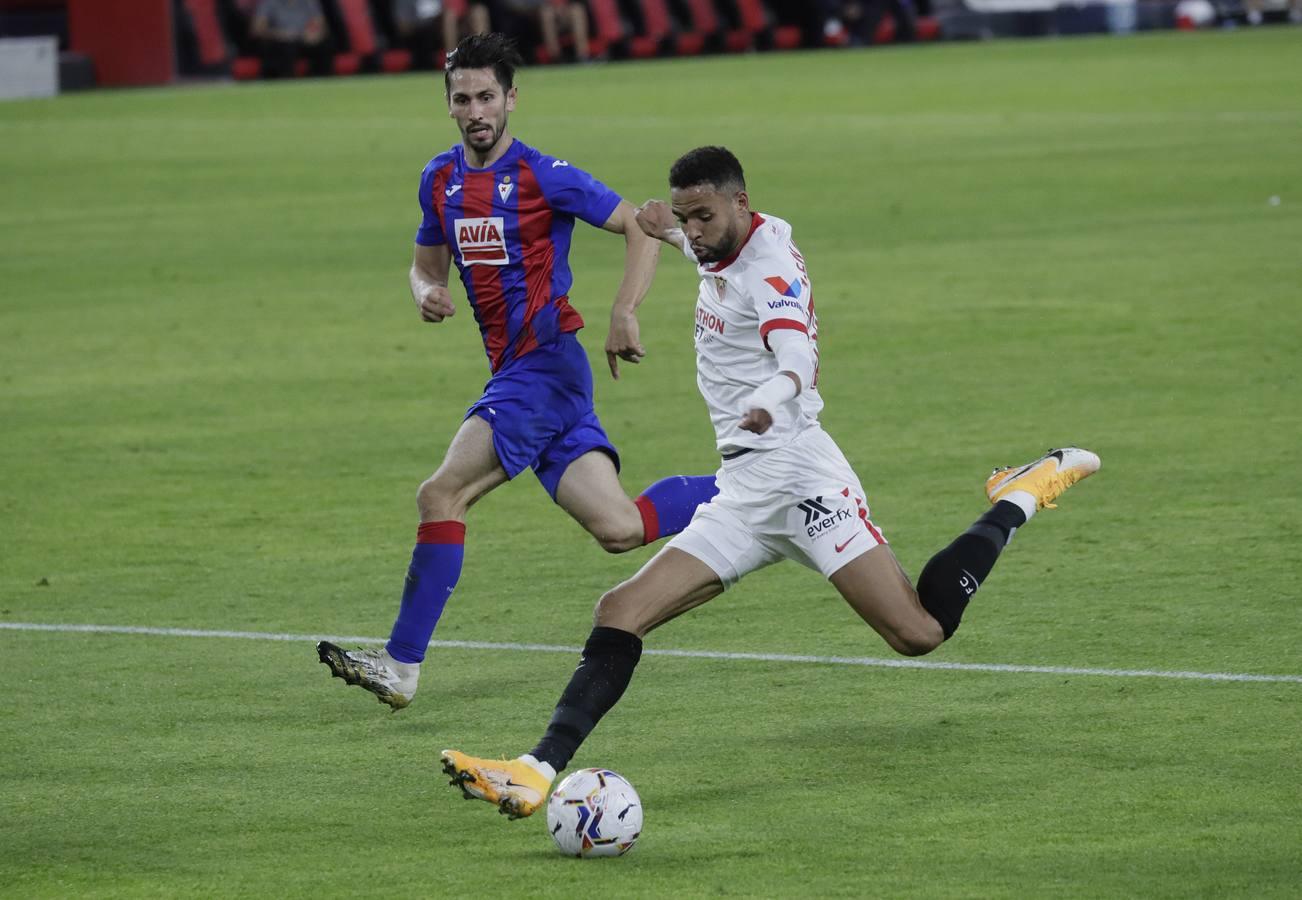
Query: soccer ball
pixel 594 812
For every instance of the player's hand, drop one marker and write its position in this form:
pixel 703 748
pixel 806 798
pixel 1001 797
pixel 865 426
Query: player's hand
pixel 622 342
pixel 756 420
pixel 656 219
pixel 435 303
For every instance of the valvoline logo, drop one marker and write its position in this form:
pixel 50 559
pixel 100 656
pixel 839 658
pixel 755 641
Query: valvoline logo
pixel 785 303
pixel 784 287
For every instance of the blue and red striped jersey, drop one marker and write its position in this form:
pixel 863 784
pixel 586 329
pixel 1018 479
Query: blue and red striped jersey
pixel 508 228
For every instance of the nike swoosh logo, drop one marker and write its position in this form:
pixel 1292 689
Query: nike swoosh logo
pixel 840 547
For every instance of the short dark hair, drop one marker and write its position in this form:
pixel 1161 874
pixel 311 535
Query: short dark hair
pixel 484 51
pixel 715 166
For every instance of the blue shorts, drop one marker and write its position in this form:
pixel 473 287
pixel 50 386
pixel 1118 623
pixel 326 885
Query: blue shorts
pixel 540 409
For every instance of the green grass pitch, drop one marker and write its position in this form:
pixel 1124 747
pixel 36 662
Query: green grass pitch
pixel 216 403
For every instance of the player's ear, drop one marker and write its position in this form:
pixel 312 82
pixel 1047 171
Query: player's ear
pixel 510 99
pixel 742 201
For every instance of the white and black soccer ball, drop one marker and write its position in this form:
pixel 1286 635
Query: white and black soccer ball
pixel 594 812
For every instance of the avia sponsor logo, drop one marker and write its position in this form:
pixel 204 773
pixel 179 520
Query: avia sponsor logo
pixel 708 321
pixel 786 288
pixel 785 304
pixel 819 518
pixel 481 242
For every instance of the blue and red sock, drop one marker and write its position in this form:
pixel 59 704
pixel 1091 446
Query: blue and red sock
pixel 669 504
pixel 433 573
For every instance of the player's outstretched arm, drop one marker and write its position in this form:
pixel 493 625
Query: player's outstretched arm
pixel 640 256
pixel 429 282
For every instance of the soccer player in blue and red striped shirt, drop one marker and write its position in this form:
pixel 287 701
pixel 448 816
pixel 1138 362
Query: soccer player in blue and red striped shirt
pixel 503 213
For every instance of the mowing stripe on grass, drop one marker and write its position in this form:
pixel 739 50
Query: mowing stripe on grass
pixel 688 654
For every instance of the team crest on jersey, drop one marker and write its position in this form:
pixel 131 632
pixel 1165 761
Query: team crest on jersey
pixel 720 285
pixel 482 242
pixel 504 190
pixel 784 287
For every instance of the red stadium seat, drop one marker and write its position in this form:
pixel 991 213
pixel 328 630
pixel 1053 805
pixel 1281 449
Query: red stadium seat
pixel 347 64
pixel 759 31
pixel 360 29
pixel 754 18
pixel 659 22
pixel 705 21
pixel 246 68
pixel 364 43
pixel 661 34
pixel 609 33
pixel 786 37
pixel 926 28
pixel 395 60
pixel 206 22
pixel 704 17
pixel 656 29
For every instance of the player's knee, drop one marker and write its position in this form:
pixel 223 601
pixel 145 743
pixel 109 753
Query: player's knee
pixel 607 608
pixel 618 543
pixel 619 533
pixel 613 610
pixel 916 641
pixel 438 499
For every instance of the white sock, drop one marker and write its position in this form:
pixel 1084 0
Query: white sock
pixel 399 666
pixel 542 768
pixel 1024 499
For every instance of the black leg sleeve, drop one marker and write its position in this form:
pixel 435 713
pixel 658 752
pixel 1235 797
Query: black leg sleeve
pixel 604 671
pixel 953 575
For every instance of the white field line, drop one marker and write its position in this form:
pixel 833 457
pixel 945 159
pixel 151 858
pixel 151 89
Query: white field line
pixel 689 654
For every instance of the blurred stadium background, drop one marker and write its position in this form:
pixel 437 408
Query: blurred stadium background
pixel 138 42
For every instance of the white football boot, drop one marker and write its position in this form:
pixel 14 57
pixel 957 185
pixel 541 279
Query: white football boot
pixel 392 682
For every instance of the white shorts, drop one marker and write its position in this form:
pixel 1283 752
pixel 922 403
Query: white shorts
pixel 800 502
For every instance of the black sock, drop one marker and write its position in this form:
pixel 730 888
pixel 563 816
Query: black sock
pixel 953 575
pixel 604 671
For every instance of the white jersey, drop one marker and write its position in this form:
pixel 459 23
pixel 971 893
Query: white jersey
pixel 762 287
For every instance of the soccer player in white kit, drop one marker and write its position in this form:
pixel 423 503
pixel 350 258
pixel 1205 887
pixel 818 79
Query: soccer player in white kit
pixel 785 489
